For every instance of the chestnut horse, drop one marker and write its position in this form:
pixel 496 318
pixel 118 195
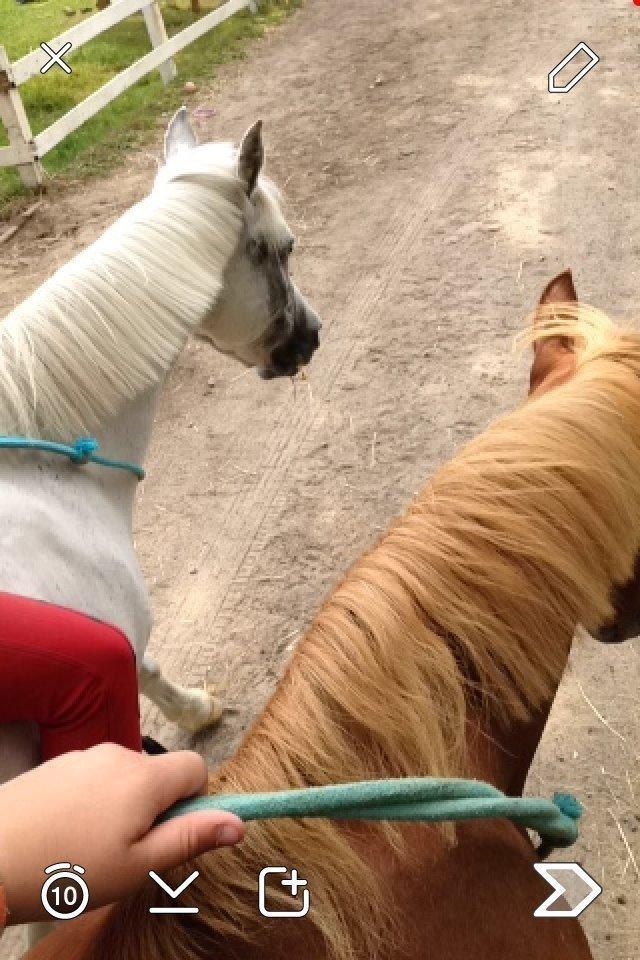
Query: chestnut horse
pixel 438 654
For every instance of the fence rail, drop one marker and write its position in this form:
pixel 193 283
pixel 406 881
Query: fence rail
pixel 26 150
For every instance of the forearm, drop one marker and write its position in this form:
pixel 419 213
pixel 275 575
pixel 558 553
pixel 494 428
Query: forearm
pixel 21 875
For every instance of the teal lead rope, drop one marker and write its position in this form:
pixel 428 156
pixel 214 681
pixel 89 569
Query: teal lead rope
pixel 426 799
pixel 82 451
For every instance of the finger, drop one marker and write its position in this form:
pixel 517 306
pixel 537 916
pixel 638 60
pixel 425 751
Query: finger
pixel 175 776
pixel 183 838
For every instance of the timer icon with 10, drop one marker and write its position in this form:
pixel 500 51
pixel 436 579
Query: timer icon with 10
pixel 64 894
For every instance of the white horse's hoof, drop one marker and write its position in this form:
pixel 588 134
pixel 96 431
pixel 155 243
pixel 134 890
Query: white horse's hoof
pixel 201 710
pixel 191 708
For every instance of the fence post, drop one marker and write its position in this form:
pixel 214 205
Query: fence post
pixel 14 118
pixel 158 35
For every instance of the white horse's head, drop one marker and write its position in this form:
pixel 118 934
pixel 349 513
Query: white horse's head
pixel 259 316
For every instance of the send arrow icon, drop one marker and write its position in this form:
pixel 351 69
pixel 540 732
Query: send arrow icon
pixel 549 872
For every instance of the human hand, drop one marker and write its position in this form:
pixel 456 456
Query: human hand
pixel 97 808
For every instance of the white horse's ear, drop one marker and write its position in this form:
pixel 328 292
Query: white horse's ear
pixel 179 135
pixel 251 156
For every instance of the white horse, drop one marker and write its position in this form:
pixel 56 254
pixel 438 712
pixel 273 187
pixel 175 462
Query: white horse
pixel 207 251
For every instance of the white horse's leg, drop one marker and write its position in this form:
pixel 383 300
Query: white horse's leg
pixel 191 708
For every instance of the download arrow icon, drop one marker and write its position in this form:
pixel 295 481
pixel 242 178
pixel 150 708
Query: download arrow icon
pixel 549 871
pixel 173 893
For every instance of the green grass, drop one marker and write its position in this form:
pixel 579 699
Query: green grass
pixel 98 145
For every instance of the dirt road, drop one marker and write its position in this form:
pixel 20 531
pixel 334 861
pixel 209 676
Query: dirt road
pixel 435 186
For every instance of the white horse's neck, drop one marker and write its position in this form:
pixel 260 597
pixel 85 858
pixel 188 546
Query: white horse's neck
pixel 109 324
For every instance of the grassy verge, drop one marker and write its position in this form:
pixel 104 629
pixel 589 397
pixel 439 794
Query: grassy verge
pixel 127 122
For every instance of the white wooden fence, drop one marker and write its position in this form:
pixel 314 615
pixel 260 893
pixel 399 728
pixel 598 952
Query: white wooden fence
pixel 25 150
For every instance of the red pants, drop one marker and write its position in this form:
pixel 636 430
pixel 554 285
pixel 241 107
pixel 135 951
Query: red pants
pixel 74 676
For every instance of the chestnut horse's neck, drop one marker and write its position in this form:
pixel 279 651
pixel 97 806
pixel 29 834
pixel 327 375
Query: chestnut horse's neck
pixel 502 755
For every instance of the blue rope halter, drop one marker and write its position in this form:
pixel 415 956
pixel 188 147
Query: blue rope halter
pixel 81 452
pixel 426 799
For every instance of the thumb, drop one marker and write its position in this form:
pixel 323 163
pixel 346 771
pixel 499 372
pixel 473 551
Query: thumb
pixel 175 842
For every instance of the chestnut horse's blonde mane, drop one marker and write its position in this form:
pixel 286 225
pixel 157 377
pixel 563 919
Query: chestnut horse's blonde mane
pixel 464 609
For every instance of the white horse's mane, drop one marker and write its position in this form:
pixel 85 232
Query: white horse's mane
pixel 110 322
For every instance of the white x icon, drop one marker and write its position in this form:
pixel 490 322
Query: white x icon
pixel 56 57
